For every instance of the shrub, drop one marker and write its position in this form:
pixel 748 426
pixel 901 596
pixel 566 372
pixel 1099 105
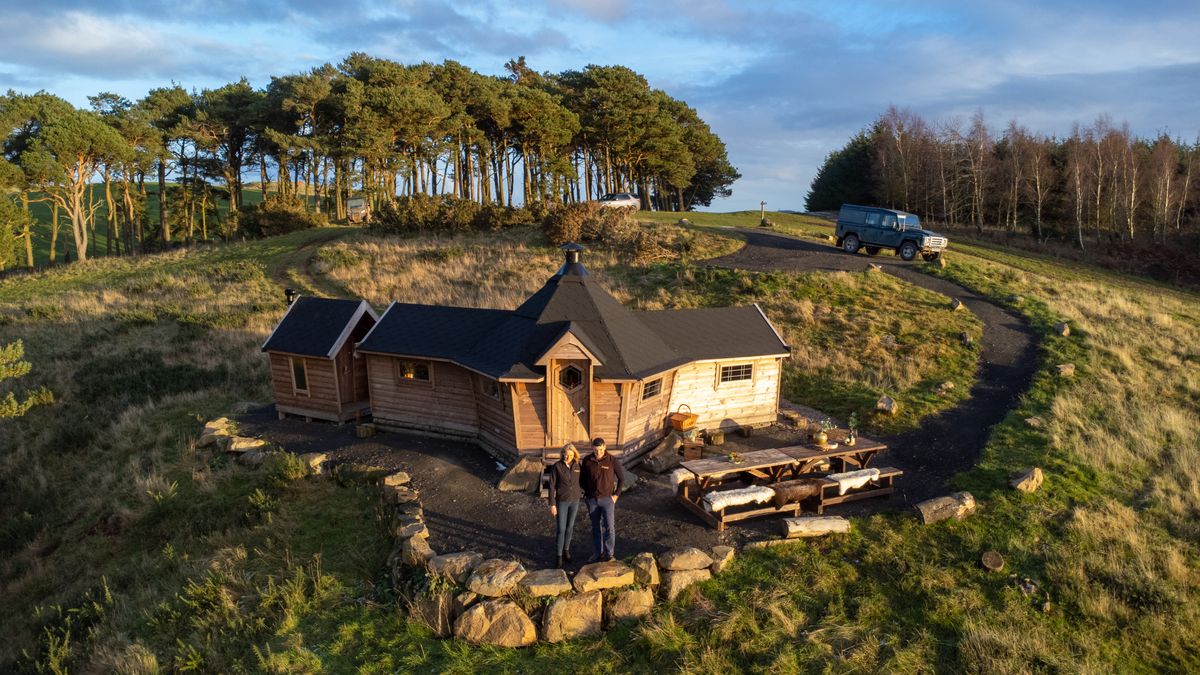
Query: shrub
pixel 588 222
pixel 279 215
pixel 444 215
pixel 495 217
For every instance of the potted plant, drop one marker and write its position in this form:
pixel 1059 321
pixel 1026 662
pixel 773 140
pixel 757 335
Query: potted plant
pixel 821 438
pixel 852 426
pixel 735 457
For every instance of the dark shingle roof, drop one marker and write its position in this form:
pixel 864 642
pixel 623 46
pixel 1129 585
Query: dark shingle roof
pixel 316 326
pixel 628 344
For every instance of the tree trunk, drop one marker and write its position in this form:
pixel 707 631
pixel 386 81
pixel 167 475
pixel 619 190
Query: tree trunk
pixel 814 526
pixel 162 200
pixel 54 225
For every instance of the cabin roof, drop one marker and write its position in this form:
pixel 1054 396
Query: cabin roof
pixel 316 326
pixel 628 344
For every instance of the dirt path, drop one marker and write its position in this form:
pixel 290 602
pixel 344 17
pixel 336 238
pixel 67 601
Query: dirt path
pixel 294 268
pixel 952 441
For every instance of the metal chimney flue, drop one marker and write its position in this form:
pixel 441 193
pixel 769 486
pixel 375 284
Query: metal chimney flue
pixel 289 294
pixel 572 265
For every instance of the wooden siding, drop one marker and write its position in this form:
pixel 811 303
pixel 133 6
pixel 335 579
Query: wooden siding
pixel 322 398
pixel 606 411
pixel 531 414
pixel 495 417
pixel 647 420
pixel 446 404
pixel 732 404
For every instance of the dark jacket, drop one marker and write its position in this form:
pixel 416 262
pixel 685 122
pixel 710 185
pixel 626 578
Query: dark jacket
pixel 602 477
pixel 564 482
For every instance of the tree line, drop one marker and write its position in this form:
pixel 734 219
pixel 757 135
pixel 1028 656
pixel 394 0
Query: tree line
pixel 1100 184
pixel 367 127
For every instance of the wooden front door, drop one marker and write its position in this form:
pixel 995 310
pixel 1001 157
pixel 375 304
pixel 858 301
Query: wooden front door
pixel 570 394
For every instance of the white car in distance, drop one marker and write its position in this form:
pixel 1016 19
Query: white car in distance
pixel 617 200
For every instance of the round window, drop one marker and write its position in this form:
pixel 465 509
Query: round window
pixel 570 378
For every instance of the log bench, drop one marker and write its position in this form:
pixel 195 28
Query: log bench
pixel 881 487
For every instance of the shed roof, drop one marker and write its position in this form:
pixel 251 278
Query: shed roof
pixel 317 326
pixel 629 344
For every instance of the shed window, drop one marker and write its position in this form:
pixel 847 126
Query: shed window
pixel 738 373
pixel 412 370
pixel 491 389
pixel 651 389
pixel 299 376
pixel 570 378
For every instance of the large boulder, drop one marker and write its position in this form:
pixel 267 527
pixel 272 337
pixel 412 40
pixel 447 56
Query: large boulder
pixel 721 557
pixel 315 461
pixel 572 616
pixel 665 455
pixel 395 479
pixel 887 404
pixel 412 529
pixel 602 575
pixel 496 622
pixel 454 566
pixel 238 444
pixel 645 569
pixel 523 476
pixel 1065 369
pixel 416 551
pixel 357 472
pixel 437 610
pixel 675 582
pixel 496 577
pixel 1028 481
pixel 630 603
pixel 399 494
pixel 251 458
pixel 685 558
pixel 543 583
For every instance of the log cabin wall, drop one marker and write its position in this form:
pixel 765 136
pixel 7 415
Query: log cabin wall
pixel 445 403
pixel 606 412
pixel 352 372
pixel 646 419
pixel 729 404
pixel 321 401
pixel 530 400
pixel 494 405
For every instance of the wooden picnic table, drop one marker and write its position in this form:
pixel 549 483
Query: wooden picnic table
pixel 764 465
pixel 845 457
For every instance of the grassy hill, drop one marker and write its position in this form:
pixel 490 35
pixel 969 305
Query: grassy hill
pixel 123 547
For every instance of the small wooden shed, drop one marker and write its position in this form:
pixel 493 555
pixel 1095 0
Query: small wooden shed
pixel 314 371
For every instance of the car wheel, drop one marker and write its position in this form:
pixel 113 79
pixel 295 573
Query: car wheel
pixel 872 250
pixel 908 250
pixel 930 257
pixel 850 243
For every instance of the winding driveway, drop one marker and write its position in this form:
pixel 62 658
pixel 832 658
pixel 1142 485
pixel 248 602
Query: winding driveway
pixel 953 440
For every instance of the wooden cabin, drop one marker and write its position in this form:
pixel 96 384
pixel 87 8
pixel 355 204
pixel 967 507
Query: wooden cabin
pixel 569 365
pixel 314 371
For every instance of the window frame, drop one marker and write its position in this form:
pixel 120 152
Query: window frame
pixel 721 367
pixel 303 370
pixel 572 389
pixel 400 379
pixel 646 384
pixel 486 383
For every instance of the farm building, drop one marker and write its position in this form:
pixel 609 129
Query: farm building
pixel 313 369
pixel 568 365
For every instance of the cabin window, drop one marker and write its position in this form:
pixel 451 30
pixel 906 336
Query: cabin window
pixel 299 376
pixel 651 389
pixel 570 378
pixel 412 370
pixel 738 373
pixel 491 389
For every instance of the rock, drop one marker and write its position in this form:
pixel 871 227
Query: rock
pixel 992 561
pixel 966 339
pixel 887 404
pixel 243 443
pixel 675 582
pixel 409 509
pixel 365 430
pixel 814 526
pixel 395 479
pixel 454 566
pixel 602 575
pixel 1028 481
pixel 721 557
pixel 251 458
pixel 1065 369
pixel 1035 422
pixel 400 494
pixel 496 577
pixel 665 455
pixel 1027 587
pixel 630 603
pixel 794 417
pixel 572 616
pixel 314 461
pixel 523 476
pixel 408 530
pixel 956 304
pixel 645 569
pixel 874 267
pixel 415 551
pixel 944 388
pixel 542 583
pixel 355 472
pixel 464 600
pixel 685 558
pixel 496 622
pixel 1062 329
pixel 957 506
pixel 436 610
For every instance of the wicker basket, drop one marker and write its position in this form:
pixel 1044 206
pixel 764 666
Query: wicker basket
pixel 682 421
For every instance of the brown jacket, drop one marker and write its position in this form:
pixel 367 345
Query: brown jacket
pixel 602 477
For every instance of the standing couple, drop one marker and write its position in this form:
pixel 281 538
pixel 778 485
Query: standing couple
pixel 598 480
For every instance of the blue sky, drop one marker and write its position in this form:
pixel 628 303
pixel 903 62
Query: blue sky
pixel 783 83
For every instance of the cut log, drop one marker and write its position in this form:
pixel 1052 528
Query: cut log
pixel 814 526
pixel 791 491
pixel 992 561
pixel 957 506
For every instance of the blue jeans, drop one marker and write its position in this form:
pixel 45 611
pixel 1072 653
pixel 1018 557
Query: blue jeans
pixel 604 526
pixel 566 524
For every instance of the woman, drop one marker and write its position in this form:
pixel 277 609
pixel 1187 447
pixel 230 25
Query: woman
pixel 564 499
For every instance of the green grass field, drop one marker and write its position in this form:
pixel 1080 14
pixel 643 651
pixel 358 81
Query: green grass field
pixel 127 549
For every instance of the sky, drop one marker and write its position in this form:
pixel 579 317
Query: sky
pixel 782 83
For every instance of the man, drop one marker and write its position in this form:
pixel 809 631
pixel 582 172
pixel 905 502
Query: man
pixel 602 478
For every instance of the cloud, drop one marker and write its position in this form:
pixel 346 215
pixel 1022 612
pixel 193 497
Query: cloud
pixel 601 10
